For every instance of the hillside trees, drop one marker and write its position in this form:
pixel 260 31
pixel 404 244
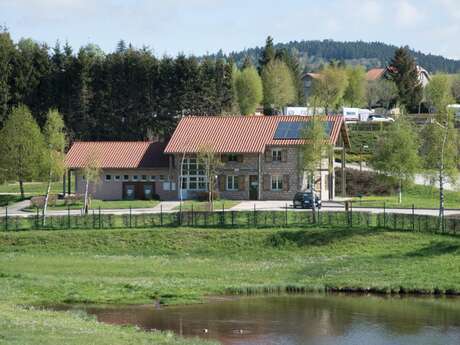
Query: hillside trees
pixel 123 95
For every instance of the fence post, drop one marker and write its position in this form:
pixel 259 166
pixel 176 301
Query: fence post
pixel 6 218
pixel 255 218
pixel 384 214
pixel 192 215
pixel 37 218
pixel 68 216
pixel 286 215
pixel 99 217
pixel 161 214
pixel 351 214
pixel 130 215
pixel 223 214
pixel 413 217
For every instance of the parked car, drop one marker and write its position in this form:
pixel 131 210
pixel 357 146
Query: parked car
pixel 305 200
pixel 380 118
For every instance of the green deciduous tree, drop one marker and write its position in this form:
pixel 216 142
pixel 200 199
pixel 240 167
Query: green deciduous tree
pixel 55 140
pixel 329 88
pixel 381 92
pixel 278 86
pixel 396 153
pixel 249 90
pixel 22 147
pixel 456 87
pixel 439 93
pixel 355 93
pixel 403 71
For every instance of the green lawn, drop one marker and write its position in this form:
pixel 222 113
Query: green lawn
pixel 104 204
pixel 184 265
pixel 420 196
pixel 204 205
pixel 31 188
pixel 8 199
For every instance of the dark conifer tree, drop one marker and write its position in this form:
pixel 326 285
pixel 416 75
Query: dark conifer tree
pixel 403 71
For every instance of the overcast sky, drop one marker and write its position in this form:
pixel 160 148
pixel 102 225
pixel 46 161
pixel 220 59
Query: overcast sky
pixel 200 26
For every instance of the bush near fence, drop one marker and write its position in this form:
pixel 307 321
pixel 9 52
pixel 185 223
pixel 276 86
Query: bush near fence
pixel 233 219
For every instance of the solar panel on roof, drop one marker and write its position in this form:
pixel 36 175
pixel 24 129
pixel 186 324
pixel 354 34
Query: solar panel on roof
pixel 294 129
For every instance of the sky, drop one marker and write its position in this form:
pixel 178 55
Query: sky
pixel 205 26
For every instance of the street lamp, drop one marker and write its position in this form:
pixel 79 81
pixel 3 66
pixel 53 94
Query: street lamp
pixel 445 127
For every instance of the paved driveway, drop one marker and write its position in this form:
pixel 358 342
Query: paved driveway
pixel 268 205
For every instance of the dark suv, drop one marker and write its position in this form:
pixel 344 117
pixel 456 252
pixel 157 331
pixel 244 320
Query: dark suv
pixel 305 200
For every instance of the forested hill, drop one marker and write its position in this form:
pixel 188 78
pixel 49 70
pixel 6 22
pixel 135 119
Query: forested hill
pixel 370 54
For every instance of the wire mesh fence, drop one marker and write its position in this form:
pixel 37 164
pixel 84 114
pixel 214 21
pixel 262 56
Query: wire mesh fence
pixel 233 219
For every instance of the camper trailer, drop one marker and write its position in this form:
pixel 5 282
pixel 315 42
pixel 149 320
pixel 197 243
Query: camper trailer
pixel 356 114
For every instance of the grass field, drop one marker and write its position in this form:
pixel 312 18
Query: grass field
pixel 103 204
pixel 184 265
pixel 204 205
pixel 31 188
pixel 419 196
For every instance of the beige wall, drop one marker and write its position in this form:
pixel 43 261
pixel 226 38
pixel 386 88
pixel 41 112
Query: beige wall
pixel 113 190
pixel 253 164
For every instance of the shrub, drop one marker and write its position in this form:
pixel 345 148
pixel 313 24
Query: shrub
pixel 364 183
pixel 39 201
pixel 74 199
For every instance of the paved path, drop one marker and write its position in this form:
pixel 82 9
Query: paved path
pixel 169 206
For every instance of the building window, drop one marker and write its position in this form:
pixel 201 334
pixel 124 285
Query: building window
pixel 162 177
pixel 193 175
pixel 232 183
pixel 153 178
pixel 135 177
pixel 117 177
pixel 108 177
pixel 277 182
pixel 276 155
pixel 144 177
pixel 125 177
pixel 232 158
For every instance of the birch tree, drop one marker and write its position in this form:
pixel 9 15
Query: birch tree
pixel 212 163
pixel 316 143
pixel 55 140
pixel 91 173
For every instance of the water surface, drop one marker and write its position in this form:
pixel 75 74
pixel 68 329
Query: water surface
pixel 304 320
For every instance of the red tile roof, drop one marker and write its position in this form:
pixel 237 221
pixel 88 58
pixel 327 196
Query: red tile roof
pixel 375 73
pixel 117 154
pixel 239 134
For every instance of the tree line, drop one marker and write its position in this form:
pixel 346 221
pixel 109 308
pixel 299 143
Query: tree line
pixel 312 54
pixel 126 95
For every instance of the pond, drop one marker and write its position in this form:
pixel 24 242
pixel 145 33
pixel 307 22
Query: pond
pixel 304 320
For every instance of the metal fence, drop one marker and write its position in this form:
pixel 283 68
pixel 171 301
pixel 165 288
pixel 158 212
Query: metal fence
pixel 234 219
